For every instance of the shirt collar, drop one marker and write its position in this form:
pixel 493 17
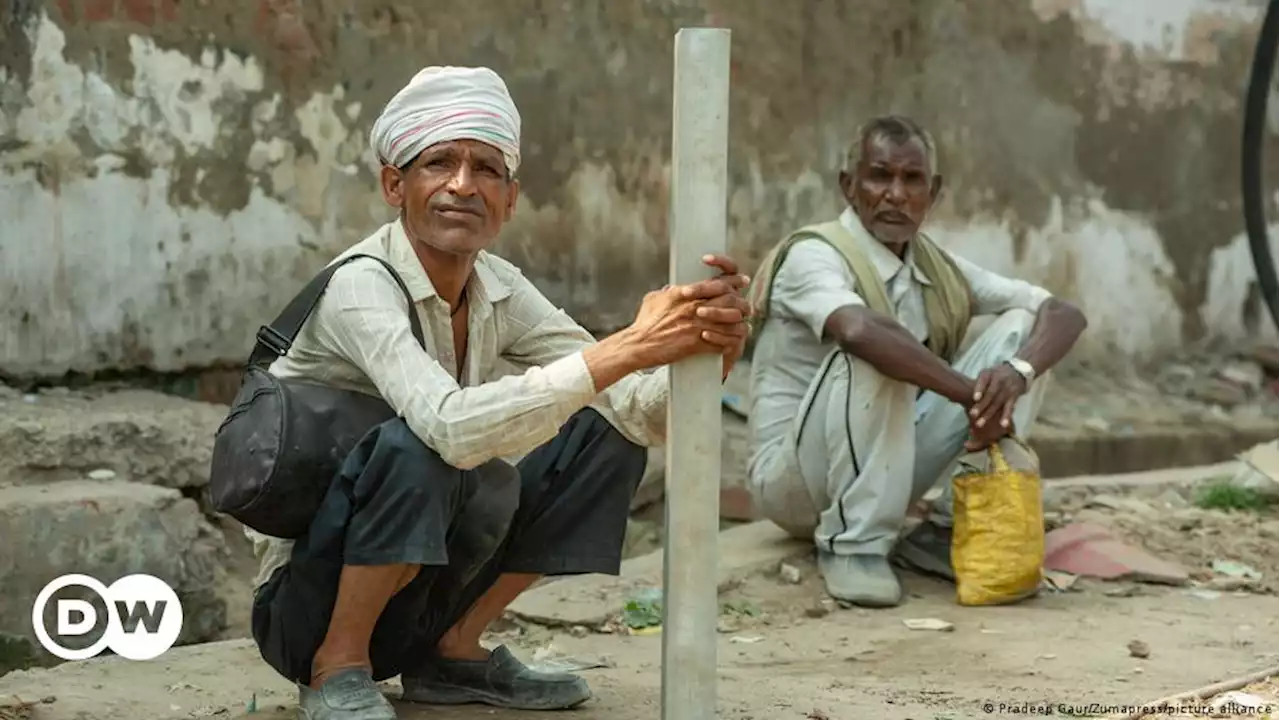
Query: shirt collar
pixel 882 259
pixel 491 286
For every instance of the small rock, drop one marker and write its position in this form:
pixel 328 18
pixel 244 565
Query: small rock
pixel 728 625
pixel 1124 591
pixel 1246 375
pixel 1097 424
pixel 1138 649
pixel 1059 581
pixel 1187 519
pixel 102 474
pixel 1231 584
pixel 789 573
pixel 1172 499
pixel 579 631
pixel 1218 392
pixel 819 609
pixel 1123 504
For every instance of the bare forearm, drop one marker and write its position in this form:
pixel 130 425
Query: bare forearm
pixel 614 358
pixel 889 348
pixel 1058 326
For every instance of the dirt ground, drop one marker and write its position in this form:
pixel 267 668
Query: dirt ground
pixel 790 656
pixel 787 652
pixel 783 652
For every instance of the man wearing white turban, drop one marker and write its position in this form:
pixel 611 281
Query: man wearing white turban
pixel 426 533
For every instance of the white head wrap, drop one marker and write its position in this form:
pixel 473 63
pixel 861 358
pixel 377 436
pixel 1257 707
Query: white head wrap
pixel 441 104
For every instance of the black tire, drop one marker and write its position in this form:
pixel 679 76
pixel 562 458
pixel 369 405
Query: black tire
pixel 1255 125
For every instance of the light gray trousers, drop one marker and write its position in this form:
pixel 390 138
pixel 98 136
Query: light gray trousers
pixel 864 448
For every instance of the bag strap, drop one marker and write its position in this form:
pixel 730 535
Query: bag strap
pixel 274 340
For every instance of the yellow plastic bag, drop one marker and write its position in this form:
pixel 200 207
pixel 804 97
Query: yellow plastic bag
pixel 997 547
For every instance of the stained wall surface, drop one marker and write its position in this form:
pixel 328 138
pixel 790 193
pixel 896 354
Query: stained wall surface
pixel 172 172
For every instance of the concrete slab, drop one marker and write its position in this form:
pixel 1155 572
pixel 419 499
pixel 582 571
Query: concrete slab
pixel 107 530
pixel 590 600
pixel 134 435
pixel 1265 458
pixel 1080 452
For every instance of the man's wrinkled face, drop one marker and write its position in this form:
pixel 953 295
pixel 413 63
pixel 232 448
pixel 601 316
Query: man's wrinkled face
pixel 892 189
pixel 454 196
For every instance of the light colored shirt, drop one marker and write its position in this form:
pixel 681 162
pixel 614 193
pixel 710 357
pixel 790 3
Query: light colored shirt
pixel 813 282
pixel 522 378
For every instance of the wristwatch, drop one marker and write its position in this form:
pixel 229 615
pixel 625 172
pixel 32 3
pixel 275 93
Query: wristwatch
pixel 1023 368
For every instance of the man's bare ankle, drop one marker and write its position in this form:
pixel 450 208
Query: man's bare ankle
pixel 474 652
pixel 322 670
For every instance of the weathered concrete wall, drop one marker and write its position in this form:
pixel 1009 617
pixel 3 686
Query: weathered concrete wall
pixel 170 173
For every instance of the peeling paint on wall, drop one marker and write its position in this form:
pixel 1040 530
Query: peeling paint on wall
pixel 171 173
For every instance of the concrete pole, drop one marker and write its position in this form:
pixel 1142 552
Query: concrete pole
pixel 699 197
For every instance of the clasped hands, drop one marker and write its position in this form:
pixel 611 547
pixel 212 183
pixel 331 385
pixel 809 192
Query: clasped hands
pixel 995 393
pixel 709 316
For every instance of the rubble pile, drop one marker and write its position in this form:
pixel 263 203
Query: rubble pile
pixel 1210 386
pixel 1225 540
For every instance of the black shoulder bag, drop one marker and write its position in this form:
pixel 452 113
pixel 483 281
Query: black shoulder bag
pixel 284 440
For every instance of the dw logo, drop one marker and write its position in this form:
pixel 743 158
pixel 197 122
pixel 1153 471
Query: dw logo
pixel 144 617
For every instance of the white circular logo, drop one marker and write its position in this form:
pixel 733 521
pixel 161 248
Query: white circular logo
pixel 144 617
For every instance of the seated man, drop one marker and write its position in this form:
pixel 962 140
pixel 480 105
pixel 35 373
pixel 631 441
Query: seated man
pixel 426 535
pixel 861 398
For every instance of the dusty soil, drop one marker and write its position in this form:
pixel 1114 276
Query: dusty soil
pixel 783 652
pixel 790 656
